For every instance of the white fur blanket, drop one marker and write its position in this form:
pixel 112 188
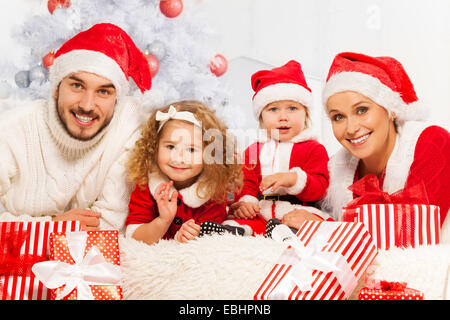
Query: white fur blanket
pixel 232 268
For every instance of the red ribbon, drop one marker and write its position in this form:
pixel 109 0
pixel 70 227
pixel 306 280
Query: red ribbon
pixel 392 286
pixel 369 191
pixel 385 285
pixel 12 262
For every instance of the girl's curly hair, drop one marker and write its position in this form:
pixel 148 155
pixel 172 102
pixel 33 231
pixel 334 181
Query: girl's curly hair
pixel 218 178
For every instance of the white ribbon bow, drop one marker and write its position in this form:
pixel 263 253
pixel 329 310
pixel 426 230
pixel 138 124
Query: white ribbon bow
pixel 163 117
pixel 91 269
pixel 311 258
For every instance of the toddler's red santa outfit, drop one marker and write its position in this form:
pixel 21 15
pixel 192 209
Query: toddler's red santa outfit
pixel 421 152
pixel 302 154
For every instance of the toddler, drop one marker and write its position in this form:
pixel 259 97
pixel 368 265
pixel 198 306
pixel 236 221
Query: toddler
pixel 176 189
pixel 286 169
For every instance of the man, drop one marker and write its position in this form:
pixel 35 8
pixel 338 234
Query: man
pixel 62 159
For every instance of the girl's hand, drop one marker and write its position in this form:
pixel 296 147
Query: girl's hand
pixel 167 207
pixel 245 210
pixel 276 180
pixel 188 231
pixel 297 217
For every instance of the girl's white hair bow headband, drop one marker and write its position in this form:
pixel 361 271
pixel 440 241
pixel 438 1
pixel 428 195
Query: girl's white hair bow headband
pixel 163 117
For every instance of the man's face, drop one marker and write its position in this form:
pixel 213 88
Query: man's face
pixel 85 103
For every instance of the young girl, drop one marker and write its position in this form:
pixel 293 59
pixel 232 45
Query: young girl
pixel 286 170
pixel 176 189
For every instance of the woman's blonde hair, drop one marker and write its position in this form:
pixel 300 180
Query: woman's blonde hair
pixel 217 178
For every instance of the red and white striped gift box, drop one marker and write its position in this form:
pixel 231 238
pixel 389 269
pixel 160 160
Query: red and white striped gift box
pixel 398 225
pixel 13 287
pixel 349 241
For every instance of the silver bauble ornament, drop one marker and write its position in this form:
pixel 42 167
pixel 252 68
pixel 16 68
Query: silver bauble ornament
pixel 22 79
pixel 38 74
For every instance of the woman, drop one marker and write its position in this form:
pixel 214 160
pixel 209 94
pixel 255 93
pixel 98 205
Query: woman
pixel 375 113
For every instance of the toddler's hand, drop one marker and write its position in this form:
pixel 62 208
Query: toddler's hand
pixel 246 210
pixel 167 207
pixel 276 180
pixel 188 231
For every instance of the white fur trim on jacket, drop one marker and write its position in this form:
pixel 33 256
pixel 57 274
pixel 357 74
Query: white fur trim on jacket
pixel 281 91
pixel 249 198
pixel 88 61
pixel 299 185
pixel 276 157
pixel 372 88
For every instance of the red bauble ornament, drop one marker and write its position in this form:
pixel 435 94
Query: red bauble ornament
pixel 55 4
pixel 218 65
pixel 48 59
pixel 153 63
pixel 171 8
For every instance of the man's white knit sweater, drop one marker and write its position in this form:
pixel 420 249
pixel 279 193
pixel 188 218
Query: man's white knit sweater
pixel 45 172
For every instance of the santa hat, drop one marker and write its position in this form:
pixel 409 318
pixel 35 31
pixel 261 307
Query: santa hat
pixel 107 51
pixel 382 79
pixel 284 83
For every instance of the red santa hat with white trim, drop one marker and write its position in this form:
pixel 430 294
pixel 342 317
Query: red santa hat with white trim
pixel 381 79
pixel 283 83
pixel 106 50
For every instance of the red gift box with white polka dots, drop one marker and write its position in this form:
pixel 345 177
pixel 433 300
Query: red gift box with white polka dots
pixel 107 241
pixel 380 294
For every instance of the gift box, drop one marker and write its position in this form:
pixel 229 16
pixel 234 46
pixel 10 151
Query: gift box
pixel 398 225
pixel 402 219
pixel 384 290
pixel 83 266
pixel 378 294
pixel 323 261
pixel 21 245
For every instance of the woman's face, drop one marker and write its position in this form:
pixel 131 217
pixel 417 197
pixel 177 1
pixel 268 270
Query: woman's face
pixel 363 127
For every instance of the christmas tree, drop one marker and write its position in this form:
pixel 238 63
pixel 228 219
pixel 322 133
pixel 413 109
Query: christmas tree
pixel 178 45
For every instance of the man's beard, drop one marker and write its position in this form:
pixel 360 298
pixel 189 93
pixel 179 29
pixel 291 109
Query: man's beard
pixel 80 136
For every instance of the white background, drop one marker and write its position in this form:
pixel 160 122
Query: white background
pixel 415 32
pixel 270 32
